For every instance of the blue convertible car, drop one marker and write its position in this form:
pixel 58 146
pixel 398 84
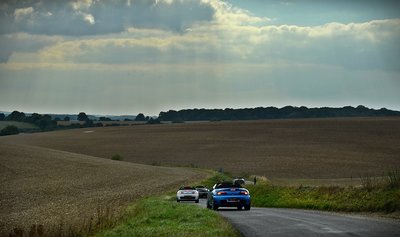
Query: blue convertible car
pixel 228 194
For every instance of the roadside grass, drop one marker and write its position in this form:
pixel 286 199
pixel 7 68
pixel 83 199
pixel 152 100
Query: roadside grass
pixel 163 216
pixel 160 216
pixel 374 195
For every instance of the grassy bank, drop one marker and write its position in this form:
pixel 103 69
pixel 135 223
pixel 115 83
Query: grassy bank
pixel 161 216
pixel 381 195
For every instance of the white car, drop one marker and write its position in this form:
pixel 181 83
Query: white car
pixel 187 194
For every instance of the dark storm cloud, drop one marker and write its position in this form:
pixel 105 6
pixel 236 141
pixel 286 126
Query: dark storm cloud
pixel 91 17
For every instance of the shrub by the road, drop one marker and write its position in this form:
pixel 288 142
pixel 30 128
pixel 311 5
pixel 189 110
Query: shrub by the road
pixel 218 177
pixel 9 130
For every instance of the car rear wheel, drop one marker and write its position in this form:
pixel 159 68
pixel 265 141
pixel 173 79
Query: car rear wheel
pixel 239 207
pixel 247 207
pixel 214 206
pixel 177 200
pixel 197 201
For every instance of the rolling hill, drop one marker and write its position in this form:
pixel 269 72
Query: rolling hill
pixel 301 148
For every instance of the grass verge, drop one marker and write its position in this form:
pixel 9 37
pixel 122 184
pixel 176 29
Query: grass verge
pixel 381 195
pixel 326 198
pixel 161 216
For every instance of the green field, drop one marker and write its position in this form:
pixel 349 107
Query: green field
pixel 20 125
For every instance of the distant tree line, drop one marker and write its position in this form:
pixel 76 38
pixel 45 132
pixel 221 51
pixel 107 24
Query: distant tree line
pixel 46 123
pixel 287 112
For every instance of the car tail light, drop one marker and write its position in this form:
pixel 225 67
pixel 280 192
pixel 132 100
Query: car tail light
pixel 221 193
pixel 244 193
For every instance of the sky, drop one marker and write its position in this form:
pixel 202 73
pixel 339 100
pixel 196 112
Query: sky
pixel 113 57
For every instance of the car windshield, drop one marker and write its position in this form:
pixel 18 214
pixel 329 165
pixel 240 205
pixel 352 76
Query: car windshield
pixel 228 185
pixel 186 188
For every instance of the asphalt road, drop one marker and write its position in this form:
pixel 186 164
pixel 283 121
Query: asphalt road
pixel 294 222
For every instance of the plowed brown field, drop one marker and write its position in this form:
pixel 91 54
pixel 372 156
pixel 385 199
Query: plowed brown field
pixel 306 148
pixel 50 187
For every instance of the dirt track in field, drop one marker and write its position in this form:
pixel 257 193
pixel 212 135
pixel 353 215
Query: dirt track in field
pixel 49 187
pixel 306 148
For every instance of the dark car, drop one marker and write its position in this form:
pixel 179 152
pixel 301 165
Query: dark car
pixel 228 194
pixel 239 181
pixel 203 191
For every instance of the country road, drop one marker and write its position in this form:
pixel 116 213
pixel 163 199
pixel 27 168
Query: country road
pixel 294 222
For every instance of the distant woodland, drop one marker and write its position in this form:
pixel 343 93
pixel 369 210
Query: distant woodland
pixel 287 112
pixel 53 122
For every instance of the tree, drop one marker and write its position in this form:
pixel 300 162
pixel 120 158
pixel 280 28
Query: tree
pixel 140 117
pixel 9 130
pixel 34 118
pixel 82 117
pixel 16 116
pixel 2 117
pixel 45 122
pixel 89 123
pixel 105 119
pixel 153 121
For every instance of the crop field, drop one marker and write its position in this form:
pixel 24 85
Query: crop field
pixel 60 189
pixel 330 149
pixel 105 123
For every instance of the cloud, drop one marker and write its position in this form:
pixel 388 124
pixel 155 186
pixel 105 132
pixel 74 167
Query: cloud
pixel 47 18
pixel 369 45
pixel 88 17
pixel 194 31
pixel 22 13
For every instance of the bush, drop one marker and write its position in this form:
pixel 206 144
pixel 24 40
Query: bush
pixel 153 121
pixel 9 130
pixel 393 179
pixel 116 157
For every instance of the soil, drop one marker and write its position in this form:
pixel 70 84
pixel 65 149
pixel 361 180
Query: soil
pixel 287 149
pixel 48 187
